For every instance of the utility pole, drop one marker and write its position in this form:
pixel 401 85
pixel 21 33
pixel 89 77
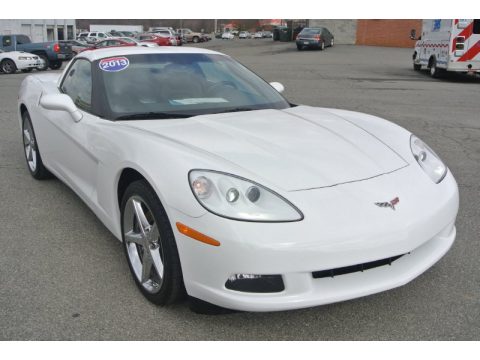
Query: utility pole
pixel 215 25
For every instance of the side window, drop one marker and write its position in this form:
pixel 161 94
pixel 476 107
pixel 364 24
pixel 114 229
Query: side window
pixel 22 39
pixel 476 26
pixel 78 84
pixel 7 41
pixel 102 35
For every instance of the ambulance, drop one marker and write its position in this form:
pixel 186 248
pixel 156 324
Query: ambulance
pixel 448 45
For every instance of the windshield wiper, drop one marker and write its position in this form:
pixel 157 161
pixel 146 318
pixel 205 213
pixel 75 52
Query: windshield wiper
pixel 239 109
pixel 152 115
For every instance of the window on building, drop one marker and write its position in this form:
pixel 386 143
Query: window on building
pixel 78 84
pixel 476 26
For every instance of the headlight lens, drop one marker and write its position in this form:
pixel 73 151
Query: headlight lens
pixel 237 198
pixel 24 58
pixel 428 160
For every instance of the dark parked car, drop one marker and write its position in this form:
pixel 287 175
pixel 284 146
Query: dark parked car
pixel 77 45
pixel 318 38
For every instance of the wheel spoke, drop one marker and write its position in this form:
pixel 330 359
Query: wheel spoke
pixel 146 264
pixel 29 153
pixel 157 262
pixel 153 235
pixel 26 137
pixel 141 218
pixel 136 238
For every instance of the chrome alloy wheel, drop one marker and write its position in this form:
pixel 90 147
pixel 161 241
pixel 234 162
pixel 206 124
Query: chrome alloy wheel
pixel 143 244
pixel 29 145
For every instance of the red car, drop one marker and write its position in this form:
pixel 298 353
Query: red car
pixel 157 39
pixel 111 43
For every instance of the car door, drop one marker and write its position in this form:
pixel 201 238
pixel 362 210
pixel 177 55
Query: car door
pixel 72 152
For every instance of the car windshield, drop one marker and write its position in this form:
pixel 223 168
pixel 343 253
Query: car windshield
pixel 310 31
pixel 144 86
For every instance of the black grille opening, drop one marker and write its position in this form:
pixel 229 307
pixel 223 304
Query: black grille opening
pixel 256 283
pixel 354 268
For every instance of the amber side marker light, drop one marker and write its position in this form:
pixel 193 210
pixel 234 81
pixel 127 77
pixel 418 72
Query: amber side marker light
pixel 194 234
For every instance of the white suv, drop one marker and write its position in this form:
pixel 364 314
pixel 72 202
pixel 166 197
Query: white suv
pixel 94 35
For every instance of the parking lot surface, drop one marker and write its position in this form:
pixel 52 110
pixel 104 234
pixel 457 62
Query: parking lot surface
pixel 64 276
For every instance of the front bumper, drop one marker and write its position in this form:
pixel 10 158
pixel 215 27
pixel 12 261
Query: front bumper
pixel 340 229
pixel 28 64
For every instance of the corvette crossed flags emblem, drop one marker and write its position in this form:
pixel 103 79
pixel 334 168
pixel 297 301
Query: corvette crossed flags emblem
pixel 391 204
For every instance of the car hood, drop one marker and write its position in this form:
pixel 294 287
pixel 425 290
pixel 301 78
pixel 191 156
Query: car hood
pixel 295 149
pixel 17 54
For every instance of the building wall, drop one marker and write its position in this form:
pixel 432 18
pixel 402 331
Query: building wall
pixel 344 31
pixel 40 30
pixel 394 33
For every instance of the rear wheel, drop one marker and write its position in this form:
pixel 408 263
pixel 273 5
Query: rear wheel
pixel 435 72
pixel 55 65
pixel 32 154
pixel 322 46
pixel 332 43
pixel 8 66
pixel 149 245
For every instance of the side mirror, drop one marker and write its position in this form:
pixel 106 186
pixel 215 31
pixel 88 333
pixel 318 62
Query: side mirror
pixel 413 34
pixel 61 102
pixel 278 86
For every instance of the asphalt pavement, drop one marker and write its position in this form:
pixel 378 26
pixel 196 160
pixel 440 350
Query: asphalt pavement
pixel 63 276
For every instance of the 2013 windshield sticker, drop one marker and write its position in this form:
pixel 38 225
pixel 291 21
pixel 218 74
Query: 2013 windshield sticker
pixel 114 64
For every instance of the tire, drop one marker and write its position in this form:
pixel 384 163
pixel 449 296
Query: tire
pixel 32 153
pixel 299 47
pixel 195 39
pixel 332 43
pixel 55 65
pixel 322 46
pixel 435 72
pixel 26 70
pixel 8 66
pixel 161 282
pixel 46 62
pixel 417 67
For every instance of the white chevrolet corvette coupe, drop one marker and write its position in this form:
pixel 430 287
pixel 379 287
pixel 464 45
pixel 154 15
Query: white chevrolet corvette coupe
pixel 222 190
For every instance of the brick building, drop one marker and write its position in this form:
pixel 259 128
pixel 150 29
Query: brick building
pixel 394 33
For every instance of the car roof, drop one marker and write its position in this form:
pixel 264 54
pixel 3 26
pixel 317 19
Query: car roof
pixel 133 50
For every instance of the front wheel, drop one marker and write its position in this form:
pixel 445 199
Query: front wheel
pixel 32 154
pixel 45 63
pixel 8 66
pixel 417 67
pixel 322 46
pixel 332 43
pixel 149 245
pixel 26 70
pixel 299 47
pixel 195 39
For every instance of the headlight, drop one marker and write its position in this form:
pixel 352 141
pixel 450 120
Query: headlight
pixel 24 58
pixel 428 160
pixel 237 198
